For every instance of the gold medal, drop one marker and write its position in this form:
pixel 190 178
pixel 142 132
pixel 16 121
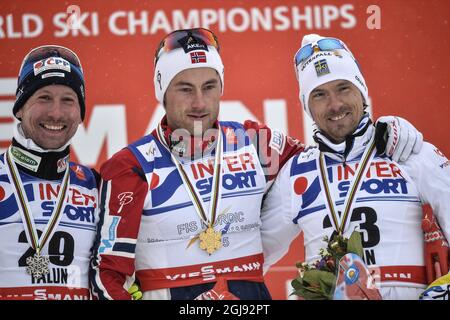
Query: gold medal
pixel 210 240
pixel 38 265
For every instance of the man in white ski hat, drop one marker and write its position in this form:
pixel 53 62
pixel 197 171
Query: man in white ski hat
pixel 347 183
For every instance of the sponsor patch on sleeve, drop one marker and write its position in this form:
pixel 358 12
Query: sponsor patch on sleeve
pixel 149 151
pixel 277 141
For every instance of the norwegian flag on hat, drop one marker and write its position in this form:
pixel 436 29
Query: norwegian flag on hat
pixel 198 57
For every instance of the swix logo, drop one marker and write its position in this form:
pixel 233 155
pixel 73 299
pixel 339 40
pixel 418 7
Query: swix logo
pixel 124 199
pixel 394 133
pixel 208 273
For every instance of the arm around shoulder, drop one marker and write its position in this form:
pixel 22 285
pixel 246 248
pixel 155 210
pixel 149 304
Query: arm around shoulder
pixel 277 228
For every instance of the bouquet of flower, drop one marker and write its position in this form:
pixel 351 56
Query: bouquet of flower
pixel 317 281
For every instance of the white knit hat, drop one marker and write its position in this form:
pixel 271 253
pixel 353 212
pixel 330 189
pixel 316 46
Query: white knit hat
pixel 326 66
pixel 173 62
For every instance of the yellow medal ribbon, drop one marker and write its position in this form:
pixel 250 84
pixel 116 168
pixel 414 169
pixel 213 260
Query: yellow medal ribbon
pixel 364 165
pixel 210 240
pixel 37 264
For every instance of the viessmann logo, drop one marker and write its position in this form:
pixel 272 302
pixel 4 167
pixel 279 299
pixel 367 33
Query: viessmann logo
pixel 209 272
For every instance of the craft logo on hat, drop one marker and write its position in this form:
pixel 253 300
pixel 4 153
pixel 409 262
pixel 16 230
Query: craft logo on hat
pixel 51 63
pixel 321 67
pixel 198 57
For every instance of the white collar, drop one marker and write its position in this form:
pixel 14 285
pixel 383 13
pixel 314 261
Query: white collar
pixel 30 144
pixel 353 146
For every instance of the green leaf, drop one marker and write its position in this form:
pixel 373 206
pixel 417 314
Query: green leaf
pixel 310 293
pixel 312 277
pixel 297 283
pixel 354 244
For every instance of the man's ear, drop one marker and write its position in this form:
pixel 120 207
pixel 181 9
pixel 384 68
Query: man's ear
pixel 365 105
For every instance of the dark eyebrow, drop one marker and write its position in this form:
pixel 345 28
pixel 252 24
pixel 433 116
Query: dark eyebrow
pixel 183 83
pixel 45 91
pixel 317 90
pixel 343 83
pixel 211 81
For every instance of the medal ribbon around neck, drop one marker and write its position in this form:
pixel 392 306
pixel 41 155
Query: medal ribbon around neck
pixel 363 166
pixel 193 194
pixel 24 208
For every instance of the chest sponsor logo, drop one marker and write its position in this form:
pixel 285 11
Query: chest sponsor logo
pixel 26 159
pixel 80 206
pixel 382 178
pixel 239 173
pixel 208 273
